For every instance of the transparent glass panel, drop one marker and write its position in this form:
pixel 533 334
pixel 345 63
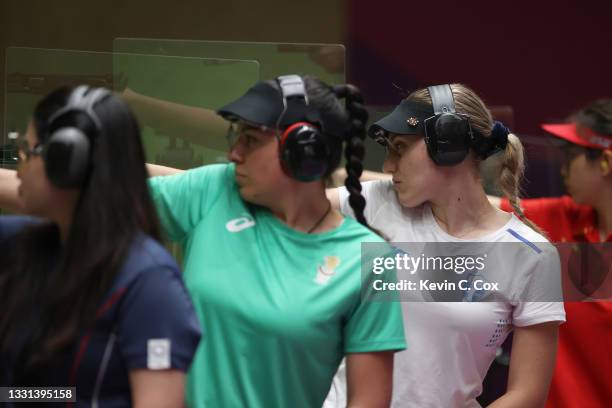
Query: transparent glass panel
pixel 174 98
pixel 32 73
pixel 325 61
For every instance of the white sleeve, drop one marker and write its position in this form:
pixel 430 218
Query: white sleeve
pixel 530 313
pixel 376 194
pixel 542 300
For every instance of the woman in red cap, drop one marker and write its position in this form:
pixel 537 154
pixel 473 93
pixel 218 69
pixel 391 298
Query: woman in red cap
pixel 582 372
pixel 587 171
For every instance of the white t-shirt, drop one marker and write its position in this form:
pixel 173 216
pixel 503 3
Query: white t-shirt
pixel 450 345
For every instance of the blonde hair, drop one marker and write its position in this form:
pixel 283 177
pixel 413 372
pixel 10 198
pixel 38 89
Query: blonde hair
pixel 513 161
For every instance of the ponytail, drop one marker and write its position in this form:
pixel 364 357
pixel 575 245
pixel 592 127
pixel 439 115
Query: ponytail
pixel 512 170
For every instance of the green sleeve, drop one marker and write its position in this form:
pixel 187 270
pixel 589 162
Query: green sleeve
pixel 376 323
pixel 375 326
pixel 184 199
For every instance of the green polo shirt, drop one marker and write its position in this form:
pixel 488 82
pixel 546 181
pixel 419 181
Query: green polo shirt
pixel 279 308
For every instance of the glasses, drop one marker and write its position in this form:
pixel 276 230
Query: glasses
pixel 393 150
pixel 24 152
pixel 383 138
pixel 394 145
pixel 238 131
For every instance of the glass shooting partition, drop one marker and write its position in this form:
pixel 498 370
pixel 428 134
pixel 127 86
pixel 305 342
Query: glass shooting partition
pixel 174 98
pixel 325 61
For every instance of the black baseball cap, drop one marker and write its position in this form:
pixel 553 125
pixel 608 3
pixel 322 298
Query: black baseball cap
pixel 262 105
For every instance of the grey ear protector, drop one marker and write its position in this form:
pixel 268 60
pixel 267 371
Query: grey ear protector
pixel 67 151
pixel 448 135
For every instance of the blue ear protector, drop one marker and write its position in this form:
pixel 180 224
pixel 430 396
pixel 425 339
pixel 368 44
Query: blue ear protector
pixel 303 148
pixel 67 150
pixel 448 134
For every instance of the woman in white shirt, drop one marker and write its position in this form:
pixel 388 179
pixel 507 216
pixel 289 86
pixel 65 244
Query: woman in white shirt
pixel 434 150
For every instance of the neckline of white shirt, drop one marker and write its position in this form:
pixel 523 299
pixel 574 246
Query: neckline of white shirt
pixel 430 220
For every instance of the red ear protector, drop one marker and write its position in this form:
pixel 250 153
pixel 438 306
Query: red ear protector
pixel 296 128
pixel 303 148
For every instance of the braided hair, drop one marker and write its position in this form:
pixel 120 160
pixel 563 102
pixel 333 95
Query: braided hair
pixel 350 116
pixel 354 151
pixel 344 124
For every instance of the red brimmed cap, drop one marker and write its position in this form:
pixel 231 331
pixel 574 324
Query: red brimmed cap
pixel 579 135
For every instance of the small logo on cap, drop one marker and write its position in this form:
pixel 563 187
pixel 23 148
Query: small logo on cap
pixel 412 121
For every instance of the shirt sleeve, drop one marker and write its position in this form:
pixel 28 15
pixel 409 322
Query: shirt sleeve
pixel 376 323
pixel 11 225
pixel 184 199
pixel 157 325
pixel 542 297
pixel 375 192
pixel 375 326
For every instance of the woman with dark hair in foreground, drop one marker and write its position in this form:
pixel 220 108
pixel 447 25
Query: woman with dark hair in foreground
pixel 89 297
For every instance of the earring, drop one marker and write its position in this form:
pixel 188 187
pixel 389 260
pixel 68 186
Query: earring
pixel 604 165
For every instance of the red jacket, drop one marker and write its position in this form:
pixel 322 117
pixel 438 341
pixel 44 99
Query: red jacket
pixel 583 372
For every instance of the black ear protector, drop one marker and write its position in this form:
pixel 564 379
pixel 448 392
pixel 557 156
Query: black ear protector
pixel 304 150
pixel 448 134
pixel 67 150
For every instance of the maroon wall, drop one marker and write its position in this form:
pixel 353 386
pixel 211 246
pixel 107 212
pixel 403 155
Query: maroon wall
pixel 543 58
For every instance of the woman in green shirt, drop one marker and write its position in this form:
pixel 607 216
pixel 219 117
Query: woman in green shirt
pixel 272 268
